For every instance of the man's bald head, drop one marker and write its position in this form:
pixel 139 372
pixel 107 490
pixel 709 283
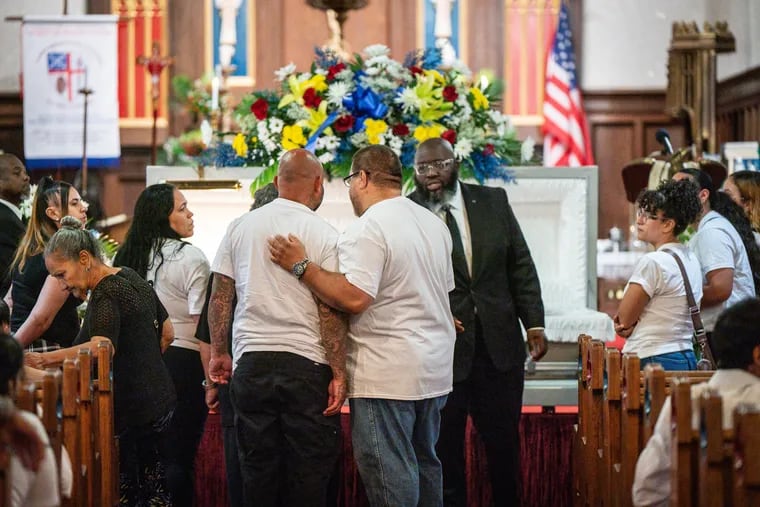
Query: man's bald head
pixel 14 181
pixel 436 148
pixel 299 178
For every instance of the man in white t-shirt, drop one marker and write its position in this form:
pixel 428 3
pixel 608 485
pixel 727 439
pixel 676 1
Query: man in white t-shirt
pixel 721 253
pixel 395 278
pixel 288 348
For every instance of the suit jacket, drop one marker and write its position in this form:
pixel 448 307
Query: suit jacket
pixel 11 231
pixel 504 286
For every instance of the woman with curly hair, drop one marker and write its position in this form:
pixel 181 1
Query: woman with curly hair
pixel 654 314
pixel 155 248
pixel 44 315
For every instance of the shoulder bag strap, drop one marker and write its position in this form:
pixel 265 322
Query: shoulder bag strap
pixel 696 318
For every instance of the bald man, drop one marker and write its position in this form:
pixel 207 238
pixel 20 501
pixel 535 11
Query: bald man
pixel 287 372
pixel 14 187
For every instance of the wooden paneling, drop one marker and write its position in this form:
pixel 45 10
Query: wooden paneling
pixel 12 124
pixel 622 126
pixel 738 108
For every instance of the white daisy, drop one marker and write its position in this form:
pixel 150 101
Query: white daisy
pixel 326 157
pixel 376 50
pixel 409 101
pixel 462 148
pixel 282 73
pixel 337 92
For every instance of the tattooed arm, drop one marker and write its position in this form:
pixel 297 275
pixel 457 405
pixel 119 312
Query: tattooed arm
pixel 333 327
pixel 219 321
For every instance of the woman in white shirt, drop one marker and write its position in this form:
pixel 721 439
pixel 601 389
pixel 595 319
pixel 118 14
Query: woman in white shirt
pixel 654 313
pixel 179 273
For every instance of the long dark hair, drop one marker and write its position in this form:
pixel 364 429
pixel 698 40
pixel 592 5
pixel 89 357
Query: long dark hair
pixel 149 230
pixel 735 214
pixel 41 227
pixel 11 362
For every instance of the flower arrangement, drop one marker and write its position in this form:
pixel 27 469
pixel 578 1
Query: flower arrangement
pixel 339 106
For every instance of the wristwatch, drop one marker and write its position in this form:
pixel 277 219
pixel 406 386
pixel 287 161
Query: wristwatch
pixel 299 268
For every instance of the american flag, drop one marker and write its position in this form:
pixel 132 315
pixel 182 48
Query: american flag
pixel 566 139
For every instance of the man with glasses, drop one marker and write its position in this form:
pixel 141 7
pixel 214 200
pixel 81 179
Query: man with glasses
pixel 496 288
pixel 394 279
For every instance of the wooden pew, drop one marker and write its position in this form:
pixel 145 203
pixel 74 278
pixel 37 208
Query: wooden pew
pixel 631 403
pixel 683 451
pixel 747 455
pixel 86 425
pixel 716 483
pixel 579 476
pixel 611 430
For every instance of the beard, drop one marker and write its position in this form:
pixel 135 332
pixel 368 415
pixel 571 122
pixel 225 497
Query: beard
pixel 440 195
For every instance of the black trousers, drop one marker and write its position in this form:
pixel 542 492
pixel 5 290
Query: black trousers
pixel 186 429
pixel 287 448
pixel 494 401
pixel 229 439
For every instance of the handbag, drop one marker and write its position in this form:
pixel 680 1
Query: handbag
pixel 706 361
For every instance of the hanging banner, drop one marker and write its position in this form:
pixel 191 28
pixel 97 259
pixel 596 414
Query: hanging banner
pixel 63 58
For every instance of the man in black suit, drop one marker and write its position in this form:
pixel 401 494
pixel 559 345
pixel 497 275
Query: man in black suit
pixel 14 187
pixel 496 288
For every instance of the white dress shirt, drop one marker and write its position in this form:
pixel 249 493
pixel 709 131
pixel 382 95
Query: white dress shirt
pixel 459 212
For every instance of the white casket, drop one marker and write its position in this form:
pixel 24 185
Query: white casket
pixel 556 209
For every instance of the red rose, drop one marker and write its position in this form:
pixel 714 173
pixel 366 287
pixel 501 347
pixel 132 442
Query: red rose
pixel 260 109
pixel 450 93
pixel 311 99
pixel 450 136
pixel 488 149
pixel 335 70
pixel 344 123
pixel 400 130
pixel 415 70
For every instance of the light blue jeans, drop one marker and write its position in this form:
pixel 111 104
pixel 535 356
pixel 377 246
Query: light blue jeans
pixel 394 447
pixel 684 360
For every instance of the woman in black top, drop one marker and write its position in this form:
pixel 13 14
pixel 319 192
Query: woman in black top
pixel 123 309
pixel 44 315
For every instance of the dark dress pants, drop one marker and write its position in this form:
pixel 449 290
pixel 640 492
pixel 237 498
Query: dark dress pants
pixel 287 448
pixel 231 461
pixel 494 401
pixel 186 428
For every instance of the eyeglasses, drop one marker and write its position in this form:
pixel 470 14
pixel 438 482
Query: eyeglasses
pixel 347 179
pixel 640 213
pixel 425 168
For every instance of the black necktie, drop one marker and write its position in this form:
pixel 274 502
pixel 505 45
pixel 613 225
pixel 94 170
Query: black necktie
pixel 458 257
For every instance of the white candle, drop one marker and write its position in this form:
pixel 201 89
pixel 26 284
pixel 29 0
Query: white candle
pixel 215 93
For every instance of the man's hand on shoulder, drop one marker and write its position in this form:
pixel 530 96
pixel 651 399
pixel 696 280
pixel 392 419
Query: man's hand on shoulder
pixel 285 252
pixel 537 343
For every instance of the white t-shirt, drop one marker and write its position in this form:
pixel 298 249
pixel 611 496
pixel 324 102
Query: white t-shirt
pixel 717 245
pixel 275 312
pixel 37 489
pixel 402 346
pixel 665 323
pixel 180 284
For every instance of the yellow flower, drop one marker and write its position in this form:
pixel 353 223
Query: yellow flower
pixel 240 146
pixel 292 137
pixel 424 132
pixel 437 77
pixel 373 129
pixel 431 103
pixel 297 89
pixel 479 101
pixel 316 117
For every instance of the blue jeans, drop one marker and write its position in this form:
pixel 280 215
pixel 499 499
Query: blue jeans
pixel 394 447
pixel 683 360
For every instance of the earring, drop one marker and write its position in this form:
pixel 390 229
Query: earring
pixel 87 269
